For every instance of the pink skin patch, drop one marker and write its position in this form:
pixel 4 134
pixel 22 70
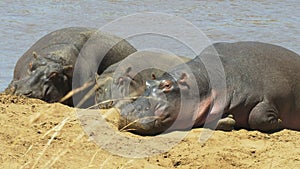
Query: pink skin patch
pixel 209 109
pixel 159 111
pixel 203 110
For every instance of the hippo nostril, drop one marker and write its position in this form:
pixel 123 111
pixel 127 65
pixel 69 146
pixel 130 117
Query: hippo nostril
pixel 127 110
pixel 138 107
pixel 157 123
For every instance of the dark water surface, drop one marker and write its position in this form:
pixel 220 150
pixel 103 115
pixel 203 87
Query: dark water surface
pixel 23 22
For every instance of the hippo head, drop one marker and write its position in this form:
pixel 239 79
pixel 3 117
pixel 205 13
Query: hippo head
pixel 103 90
pixel 157 109
pixel 46 79
pixel 118 88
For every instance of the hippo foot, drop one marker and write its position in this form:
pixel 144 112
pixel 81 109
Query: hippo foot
pixel 264 117
pixel 226 124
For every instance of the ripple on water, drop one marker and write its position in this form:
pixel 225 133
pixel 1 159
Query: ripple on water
pixel 22 24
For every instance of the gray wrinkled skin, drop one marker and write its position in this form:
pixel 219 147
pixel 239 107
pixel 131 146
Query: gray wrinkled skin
pixel 45 71
pixel 263 92
pixel 120 86
pixel 46 80
pixel 143 109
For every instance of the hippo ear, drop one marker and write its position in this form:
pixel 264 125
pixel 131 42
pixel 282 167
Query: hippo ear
pixel 68 70
pixel 125 77
pixel 183 78
pixel 153 77
pixel 182 81
pixel 121 81
pixel 128 70
pixel 34 54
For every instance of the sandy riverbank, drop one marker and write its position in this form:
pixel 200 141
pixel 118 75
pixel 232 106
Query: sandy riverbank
pixel 28 140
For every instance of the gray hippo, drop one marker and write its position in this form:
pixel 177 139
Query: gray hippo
pixel 262 92
pixel 45 71
pixel 116 88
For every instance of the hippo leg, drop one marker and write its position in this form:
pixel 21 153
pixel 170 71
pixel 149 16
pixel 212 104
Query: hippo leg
pixel 226 124
pixel 264 117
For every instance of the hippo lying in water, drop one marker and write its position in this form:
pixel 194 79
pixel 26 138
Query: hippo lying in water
pixel 45 71
pixel 262 92
pixel 115 88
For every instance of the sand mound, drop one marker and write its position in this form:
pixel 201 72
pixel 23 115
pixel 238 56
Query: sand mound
pixel 35 134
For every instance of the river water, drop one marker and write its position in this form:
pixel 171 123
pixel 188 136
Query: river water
pixel 24 22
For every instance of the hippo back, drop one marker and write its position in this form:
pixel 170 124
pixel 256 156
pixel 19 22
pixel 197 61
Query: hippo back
pixel 66 42
pixel 45 71
pixel 119 81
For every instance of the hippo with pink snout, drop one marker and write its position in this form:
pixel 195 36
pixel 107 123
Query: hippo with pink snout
pixel 262 92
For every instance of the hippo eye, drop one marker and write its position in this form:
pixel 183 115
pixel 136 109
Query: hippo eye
pixel 32 67
pixel 167 86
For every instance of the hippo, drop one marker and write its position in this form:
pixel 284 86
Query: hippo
pixel 262 92
pixel 117 88
pixel 45 71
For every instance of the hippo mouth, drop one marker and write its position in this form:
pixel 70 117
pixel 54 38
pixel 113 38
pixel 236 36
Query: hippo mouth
pixel 10 89
pixel 15 89
pixel 149 120
pixel 142 126
pixel 151 125
pixel 28 93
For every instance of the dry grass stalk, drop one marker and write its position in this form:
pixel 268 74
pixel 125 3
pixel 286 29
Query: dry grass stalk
pixel 62 152
pixel 128 162
pixel 93 158
pixel 112 100
pixel 105 161
pixel 27 163
pixel 74 91
pixel 129 124
pixel 35 118
pixel 57 129
pixel 29 148
pixel 109 112
pixel 88 95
